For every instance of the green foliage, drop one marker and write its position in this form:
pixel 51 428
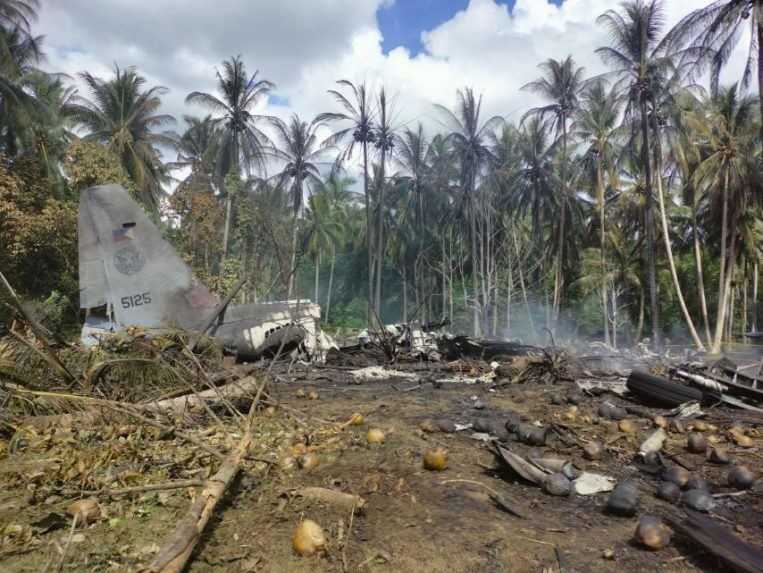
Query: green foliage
pixel 88 163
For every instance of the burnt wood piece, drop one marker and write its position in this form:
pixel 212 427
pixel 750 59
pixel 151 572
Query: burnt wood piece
pixel 661 392
pixel 721 542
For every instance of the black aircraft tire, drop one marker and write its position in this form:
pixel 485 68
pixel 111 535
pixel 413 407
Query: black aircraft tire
pixel 660 391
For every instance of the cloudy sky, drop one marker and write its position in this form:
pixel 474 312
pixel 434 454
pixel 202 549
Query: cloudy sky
pixel 422 50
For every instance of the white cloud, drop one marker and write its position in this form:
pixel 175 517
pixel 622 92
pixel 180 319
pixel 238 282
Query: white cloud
pixel 306 47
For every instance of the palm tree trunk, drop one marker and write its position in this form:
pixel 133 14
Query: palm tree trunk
pixel 509 285
pixel 331 282
pixel 558 281
pixel 745 307
pixel 380 234
pixel 294 233
pixel 669 249
pixel 641 309
pixel 760 65
pixel 405 295
pixel 522 286
pixel 700 277
pixel 602 234
pixel 369 238
pixel 649 223
pixel 317 275
pixel 475 260
pixel 226 228
pixel 755 298
pixel 721 314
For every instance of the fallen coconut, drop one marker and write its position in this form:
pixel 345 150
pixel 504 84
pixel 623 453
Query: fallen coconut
pixel 308 539
pixel 741 477
pixel 436 459
pixel 696 482
pixel 698 499
pixel 571 414
pixel 557 399
pixel 742 441
pixel 288 463
pixel 669 491
pixel 298 449
pixel 628 426
pixel 301 393
pixel 652 533
pixel 270 411
pixel 375 436
pixel 718 456
pixel 85 511
pixel 696 443
pixel 624 499
pixel 677 475
pixel 313 395
pixel 356 419
pixel 309 461
pixel 699 426
pixel 593 451
pixel 660 422
pixel 428 426
pixel 612 412
pixel 557 484
pixel 446 426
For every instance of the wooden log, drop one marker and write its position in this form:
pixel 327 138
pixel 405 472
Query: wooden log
pixel 176 551
pixel 345 501
pixel 716 539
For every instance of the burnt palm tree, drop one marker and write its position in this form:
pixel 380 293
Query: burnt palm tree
pixel 357 118
pixel 242 143
pixel 641 62
pixel 713 32
pixel 561 84
pixel 299 150
pixel 124 116
pixel 469 138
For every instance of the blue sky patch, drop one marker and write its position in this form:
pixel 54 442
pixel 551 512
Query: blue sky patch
pixel 402 23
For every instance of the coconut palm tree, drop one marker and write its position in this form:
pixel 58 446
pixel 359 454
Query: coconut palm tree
pixel 384 143
pixel 20 54
pixel 713 32
pixel 299 150
pixel 323 232
pixel 597 125
pixel 561 84
pixel 641 62
pixel 18 13
pixel 340 198
pixel 469 138
pixel 358 118
pixel 731 149
pixel 123 115
pixel 412 155
pixel 242 144
pixel 51 122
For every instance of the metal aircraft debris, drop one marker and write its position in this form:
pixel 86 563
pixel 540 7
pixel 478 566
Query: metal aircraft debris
pixel 131 276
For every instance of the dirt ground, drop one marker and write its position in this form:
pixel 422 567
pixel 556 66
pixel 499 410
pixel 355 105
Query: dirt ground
pixel 414 520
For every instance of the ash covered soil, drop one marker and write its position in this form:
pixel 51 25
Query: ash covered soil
pixel 413 520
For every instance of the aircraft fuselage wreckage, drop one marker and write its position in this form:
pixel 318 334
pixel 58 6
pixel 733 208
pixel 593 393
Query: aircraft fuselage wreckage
pixel 131 276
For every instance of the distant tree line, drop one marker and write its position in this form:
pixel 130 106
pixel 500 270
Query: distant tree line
pixel 623 205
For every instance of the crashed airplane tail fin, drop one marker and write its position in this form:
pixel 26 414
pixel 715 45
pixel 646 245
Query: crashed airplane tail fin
pixel 126 264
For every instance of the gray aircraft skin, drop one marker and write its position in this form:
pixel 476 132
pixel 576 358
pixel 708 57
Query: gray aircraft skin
pixel 131 276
